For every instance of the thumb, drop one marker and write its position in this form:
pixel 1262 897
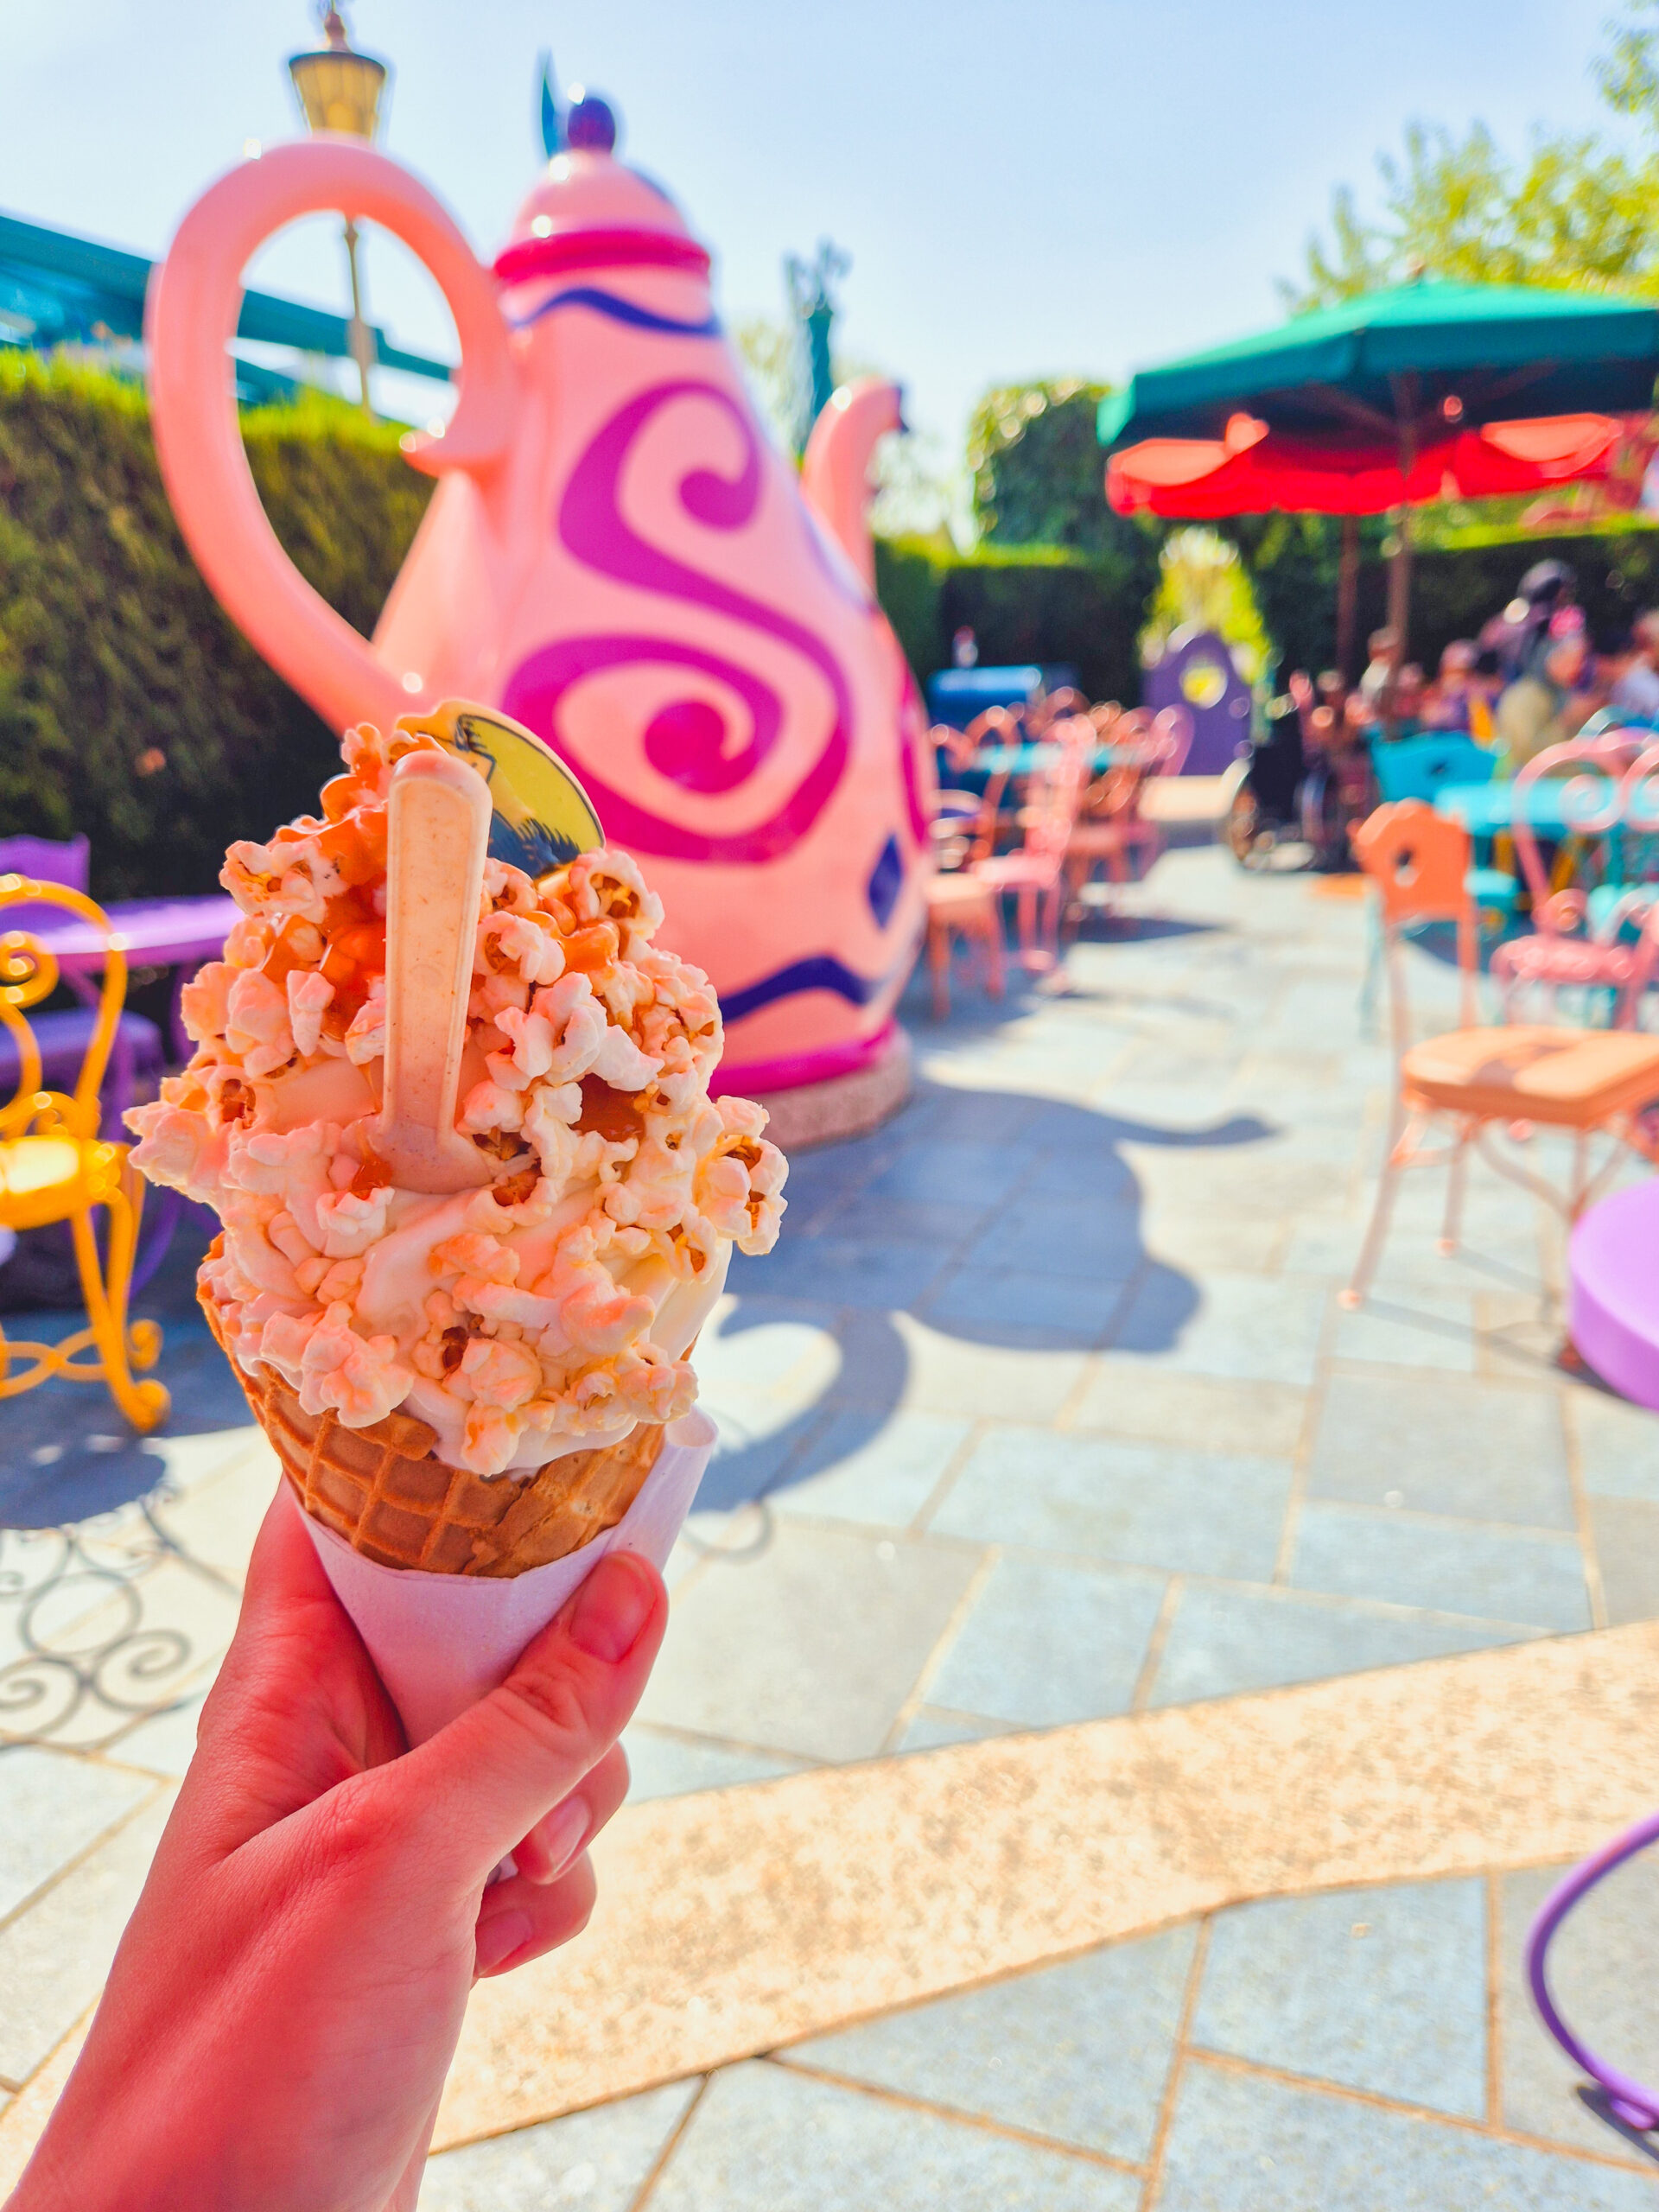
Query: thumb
pixel 470 1792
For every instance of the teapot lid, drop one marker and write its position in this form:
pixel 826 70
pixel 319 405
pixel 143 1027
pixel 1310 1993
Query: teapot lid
pixel 590 211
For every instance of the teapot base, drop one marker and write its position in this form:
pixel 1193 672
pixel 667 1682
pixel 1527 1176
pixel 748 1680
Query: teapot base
pixel 842 1105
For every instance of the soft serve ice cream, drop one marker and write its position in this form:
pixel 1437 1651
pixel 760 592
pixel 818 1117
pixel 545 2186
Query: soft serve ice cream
pixel 550 1309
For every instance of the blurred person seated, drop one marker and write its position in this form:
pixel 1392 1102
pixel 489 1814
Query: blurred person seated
pixel 1402 701
pixel 964 648
pixel 1379 668
pixel 1552 699
pixel 1634 689
pixel 1447 701
pixel 1545 590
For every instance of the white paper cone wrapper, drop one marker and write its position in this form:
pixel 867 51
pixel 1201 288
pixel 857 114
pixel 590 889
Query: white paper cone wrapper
pixel 441 1642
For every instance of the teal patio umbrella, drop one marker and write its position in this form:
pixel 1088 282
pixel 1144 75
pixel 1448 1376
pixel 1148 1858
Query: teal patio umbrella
pixel 1386 375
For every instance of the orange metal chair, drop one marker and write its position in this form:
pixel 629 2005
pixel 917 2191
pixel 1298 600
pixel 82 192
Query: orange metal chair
pixel 54 1166
pixel 1474 1079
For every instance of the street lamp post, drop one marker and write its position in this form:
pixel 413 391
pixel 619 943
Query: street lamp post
pixel 340 89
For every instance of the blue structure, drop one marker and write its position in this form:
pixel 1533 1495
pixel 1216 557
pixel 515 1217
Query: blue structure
pixel 57 289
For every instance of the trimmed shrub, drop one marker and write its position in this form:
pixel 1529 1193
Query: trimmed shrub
pixel 1024 603
pixel 112 650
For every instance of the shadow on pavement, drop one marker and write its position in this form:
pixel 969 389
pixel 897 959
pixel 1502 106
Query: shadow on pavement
pixel 66 1453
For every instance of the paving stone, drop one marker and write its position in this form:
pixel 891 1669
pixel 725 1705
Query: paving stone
pixel 1619 1446
pixel 55 1955
pixel 886 1276
pixel 1192 1239
pixel 1078 2053
pixel 1433 1444
pixel 165 1742
pixel 941 1373
pixel 1143 1398
pixel 1137 1504
pixel 765 2139
pixel 1602 1991
pixel 811 1645
pixel 1452 1567
pixel 1240 2143
pixel 766 1367
pixel 1256 1328
pixel 598 2159
pixel 661 1765
pixel 1378 1989
pixel 1045 1644
pixel 1224 1639
pixel 931 1727
pixel 1626 1532
pixel 1080 1238
pixel 1415 1329
pixel 879 1475
pixel 1038 1312
pixel 52 1806
pixel 216 1519
pixel 945 1172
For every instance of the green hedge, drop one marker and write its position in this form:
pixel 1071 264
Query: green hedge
pixel 110 645
pixel 1023 603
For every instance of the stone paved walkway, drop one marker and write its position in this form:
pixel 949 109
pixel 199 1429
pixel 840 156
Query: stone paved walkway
pixel 1045 1411
pixel 1360 2048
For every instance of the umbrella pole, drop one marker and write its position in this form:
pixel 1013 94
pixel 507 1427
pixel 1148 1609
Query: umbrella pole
pixel 1348 598
pixel 1400 564
pixel 1400 587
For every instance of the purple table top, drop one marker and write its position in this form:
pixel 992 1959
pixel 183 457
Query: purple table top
pixel 153 932
pixel 1613 1298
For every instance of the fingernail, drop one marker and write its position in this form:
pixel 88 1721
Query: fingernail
pixel 561 1835
pixel 498 1939
pixel 613 1605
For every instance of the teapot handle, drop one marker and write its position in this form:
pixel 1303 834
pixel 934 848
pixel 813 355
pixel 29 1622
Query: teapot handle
pixel 196 298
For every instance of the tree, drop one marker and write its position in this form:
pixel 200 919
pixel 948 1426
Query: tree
pixel 1037 469
pixel 1572 212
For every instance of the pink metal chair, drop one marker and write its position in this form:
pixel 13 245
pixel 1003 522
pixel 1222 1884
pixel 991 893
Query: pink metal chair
pixel 1586 937
pixel 1113 831
pixel 1035 873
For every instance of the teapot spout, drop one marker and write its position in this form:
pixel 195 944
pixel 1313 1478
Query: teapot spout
pixel 835 473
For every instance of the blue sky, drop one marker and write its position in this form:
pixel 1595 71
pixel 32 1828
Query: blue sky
pixel 1025 186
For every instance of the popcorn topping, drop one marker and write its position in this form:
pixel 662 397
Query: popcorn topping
pixel 555 1307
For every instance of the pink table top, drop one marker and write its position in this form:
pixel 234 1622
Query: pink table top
pixel 153 932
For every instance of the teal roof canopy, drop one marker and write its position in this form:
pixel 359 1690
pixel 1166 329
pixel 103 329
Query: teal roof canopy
pixel 1391 360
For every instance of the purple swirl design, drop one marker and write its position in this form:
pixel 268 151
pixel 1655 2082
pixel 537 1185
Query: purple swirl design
pixel 687 740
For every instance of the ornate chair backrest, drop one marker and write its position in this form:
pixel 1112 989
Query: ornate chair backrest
pixel 1593 778
pixel 28 972
pixel 1173 728
pixel 48 860
pixel 1056 792
pixel 1420 864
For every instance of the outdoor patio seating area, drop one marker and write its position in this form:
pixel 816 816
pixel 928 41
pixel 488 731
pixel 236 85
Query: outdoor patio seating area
pixel 1045 1413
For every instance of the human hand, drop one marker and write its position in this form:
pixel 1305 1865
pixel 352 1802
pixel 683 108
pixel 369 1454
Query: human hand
pixel 287 1998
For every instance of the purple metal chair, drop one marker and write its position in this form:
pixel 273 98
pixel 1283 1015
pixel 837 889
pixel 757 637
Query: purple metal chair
pixel 139 1057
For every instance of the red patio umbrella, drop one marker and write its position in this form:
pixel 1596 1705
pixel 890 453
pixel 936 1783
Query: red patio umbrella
pixel 1251 470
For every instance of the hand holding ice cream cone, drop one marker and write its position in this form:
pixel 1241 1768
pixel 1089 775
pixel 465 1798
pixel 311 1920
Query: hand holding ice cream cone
pixel 477 1200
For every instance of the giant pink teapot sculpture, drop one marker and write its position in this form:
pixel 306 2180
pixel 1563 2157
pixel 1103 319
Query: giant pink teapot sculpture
pixel 616 557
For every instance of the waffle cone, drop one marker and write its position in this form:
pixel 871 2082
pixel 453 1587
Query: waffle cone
pixel 382 1490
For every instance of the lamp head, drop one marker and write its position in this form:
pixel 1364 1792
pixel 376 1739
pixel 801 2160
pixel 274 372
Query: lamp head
pixel 338 88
